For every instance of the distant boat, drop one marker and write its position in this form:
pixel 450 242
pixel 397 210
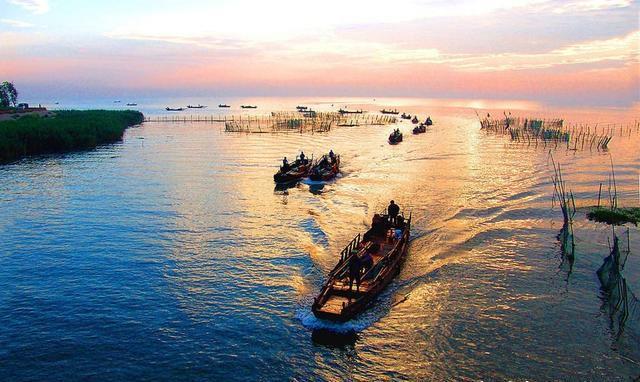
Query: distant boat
pixel 116 101
pixel 223 105
pixel 196 107
pixel 385 111
pixel 395 137
pixel 414 120
pixel 420 129
pixel 249 107
pixel 301 108
pixel 342 111
pixel 132 104
pixel 405 116
pixel 176 109
pixel 428 122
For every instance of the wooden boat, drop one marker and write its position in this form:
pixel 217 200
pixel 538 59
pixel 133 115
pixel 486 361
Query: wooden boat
pixel 415 120
pixel 428 121
pixel 132 104
pixel 385 111
pixel 384 248
pixel 301 108
pixel 196 107
pixel 296 171
pixel 405 116
pixel 420 129
pixel 223 105
pixel 343 111
pixel 325 168
pixel 395 138
pixel 249 107
pixel 176 109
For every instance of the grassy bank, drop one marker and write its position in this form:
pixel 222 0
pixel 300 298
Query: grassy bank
pixel 66 131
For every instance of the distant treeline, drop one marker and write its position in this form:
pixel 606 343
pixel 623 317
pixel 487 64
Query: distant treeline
pixel 65 131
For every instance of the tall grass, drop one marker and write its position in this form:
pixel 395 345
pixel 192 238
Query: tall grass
pixel 66 131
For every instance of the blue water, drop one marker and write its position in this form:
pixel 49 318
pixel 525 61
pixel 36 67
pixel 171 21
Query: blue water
pixel 170 256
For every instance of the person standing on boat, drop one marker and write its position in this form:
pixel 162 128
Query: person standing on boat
pixel 285 164
pixel 302 156
pixel 332 156
pixel 354 271
pixel 393 210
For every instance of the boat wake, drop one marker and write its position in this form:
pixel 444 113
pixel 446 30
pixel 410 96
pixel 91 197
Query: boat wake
pixel 310 321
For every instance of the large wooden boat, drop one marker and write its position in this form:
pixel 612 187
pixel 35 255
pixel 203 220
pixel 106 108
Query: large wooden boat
pixel 385 111
pixel 382 250
pixel 249 107
pixel 325 169
pixel 223 105
pixel 296 171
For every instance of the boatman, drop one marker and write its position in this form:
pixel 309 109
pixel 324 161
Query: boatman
pixel 332 156
pixel 285 164
pixel 302 157
pixel 354 271
pixel 393 210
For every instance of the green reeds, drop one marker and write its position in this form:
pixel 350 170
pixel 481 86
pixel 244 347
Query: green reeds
pixel 66 131
pixel 568 206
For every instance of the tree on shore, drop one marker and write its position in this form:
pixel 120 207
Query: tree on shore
pixel 8 94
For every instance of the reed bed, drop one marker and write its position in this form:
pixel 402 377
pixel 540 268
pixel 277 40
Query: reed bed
pixel 556 132
pixel 66 131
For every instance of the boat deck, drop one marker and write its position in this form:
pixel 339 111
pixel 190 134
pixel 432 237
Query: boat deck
pixel 341 295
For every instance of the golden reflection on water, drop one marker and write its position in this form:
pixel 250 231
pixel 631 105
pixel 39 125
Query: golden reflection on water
pixel 477 201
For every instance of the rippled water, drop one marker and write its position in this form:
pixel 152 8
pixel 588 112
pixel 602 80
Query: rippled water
pixel 170 256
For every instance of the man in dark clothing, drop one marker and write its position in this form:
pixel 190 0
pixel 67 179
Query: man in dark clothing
pixel 285 164
pixel 354 271
pixel 393 210
pixel 302 157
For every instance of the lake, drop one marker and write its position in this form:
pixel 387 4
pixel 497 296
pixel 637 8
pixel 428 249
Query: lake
pixel 172 256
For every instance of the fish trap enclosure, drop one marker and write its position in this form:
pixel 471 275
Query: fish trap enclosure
pixel 556 132
pixel 302 122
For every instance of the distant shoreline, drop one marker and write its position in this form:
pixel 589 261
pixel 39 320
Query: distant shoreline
pixel 44 132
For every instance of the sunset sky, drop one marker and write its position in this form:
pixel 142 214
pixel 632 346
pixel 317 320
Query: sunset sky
pixel 582 52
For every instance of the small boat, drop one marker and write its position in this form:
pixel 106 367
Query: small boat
pixel 405 116
pixel 196 107
pixel 116 101
pixel 428 121
pixel 343 111
pixel 174 109
pixel 301 108
pixel 223 105
pixel 376 256
pixel 385 111
pixel 132 104
pixel 420 129
pixel 415 120
pixel 395 137
pixel 326 168
pixel 296 171
pixel 249 107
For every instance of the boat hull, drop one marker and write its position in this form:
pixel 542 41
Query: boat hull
pixel 324 306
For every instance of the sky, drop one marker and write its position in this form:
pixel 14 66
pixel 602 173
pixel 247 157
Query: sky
pixel 572 52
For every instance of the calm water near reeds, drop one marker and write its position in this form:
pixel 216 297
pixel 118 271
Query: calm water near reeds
pixel 171 256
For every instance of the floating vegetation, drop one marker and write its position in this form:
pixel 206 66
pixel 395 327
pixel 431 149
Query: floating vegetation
pixel 555 132
pixel 618 299
pixel 615 216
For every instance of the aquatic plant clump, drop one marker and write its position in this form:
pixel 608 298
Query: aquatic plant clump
pixel 615 216
pixel 66 131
